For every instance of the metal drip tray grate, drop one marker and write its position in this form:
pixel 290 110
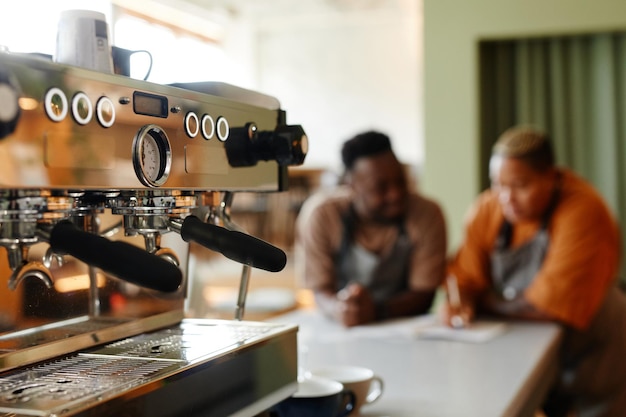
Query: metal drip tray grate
pixel 36 344
pixel 57 385
pixel 62 330
pixel 188 342
pixel 73 381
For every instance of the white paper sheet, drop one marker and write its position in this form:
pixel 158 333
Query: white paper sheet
pixel 479 331
pixel 429 327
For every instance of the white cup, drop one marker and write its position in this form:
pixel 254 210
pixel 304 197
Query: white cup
pixel 83 40
pixel 363 382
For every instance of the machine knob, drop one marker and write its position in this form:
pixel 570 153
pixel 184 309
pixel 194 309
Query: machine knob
pixel 287 145
pixel 9 107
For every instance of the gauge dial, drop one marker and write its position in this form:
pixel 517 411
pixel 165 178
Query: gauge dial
pixel 152 156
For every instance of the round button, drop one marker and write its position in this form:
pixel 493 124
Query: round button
pixel 55 103
pixel 192 125
pixel 223 130
pixel 208 127
pixel 82 109
pixel 105 112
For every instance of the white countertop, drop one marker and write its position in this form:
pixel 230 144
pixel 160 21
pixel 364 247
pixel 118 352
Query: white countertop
pixel 505 376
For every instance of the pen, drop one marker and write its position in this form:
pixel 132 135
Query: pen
pixel 454 297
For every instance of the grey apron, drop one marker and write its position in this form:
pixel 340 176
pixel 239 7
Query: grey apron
pixel 593 362
pixel 382 276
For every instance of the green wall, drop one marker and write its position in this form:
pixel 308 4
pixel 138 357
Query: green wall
pixel 452 30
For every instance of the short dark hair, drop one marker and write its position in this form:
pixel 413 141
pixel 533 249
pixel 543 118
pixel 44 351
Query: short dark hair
pixel 528 144
pixel 363 145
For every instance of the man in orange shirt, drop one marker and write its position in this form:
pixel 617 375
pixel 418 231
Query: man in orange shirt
pixel 542 245
pixel 372 249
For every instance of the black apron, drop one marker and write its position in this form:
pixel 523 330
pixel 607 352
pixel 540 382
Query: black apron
pixel 384 276
pixel 593 362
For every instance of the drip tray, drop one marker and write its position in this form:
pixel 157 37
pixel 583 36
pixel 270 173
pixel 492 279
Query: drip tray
pixel 188 342
pixel 36 344
pixel 66 385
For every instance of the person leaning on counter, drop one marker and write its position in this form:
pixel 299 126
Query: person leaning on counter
pixel 371 249
pixel 541 244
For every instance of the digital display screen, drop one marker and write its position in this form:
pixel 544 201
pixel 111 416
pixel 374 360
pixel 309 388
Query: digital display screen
pixel 150 104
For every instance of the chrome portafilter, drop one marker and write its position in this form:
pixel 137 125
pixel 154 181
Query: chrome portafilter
pixel 117 258
pixel 69 223
pixel 153 213
pixel 148 214
pixel 21 214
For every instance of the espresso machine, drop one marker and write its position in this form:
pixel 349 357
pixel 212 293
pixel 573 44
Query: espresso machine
pixel 104 183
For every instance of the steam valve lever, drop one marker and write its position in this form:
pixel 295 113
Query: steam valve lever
pixel 120 259
pixel 233 244
pixel 246 146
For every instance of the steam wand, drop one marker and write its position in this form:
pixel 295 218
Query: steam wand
pixel 221 218
pixel 223 214
pixel 234 244
pixel 92 225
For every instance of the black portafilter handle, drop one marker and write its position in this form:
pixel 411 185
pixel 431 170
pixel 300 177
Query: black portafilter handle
pixel 233 244
pixel 120 259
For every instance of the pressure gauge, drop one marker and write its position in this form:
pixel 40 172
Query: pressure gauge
pixel 152 156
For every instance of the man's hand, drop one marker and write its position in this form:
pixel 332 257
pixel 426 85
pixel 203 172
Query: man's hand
pixel 354 306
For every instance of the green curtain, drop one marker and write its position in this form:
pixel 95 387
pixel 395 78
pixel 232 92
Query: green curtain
pixel 574 87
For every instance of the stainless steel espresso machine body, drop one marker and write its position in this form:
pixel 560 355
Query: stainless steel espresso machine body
pixel 104 181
